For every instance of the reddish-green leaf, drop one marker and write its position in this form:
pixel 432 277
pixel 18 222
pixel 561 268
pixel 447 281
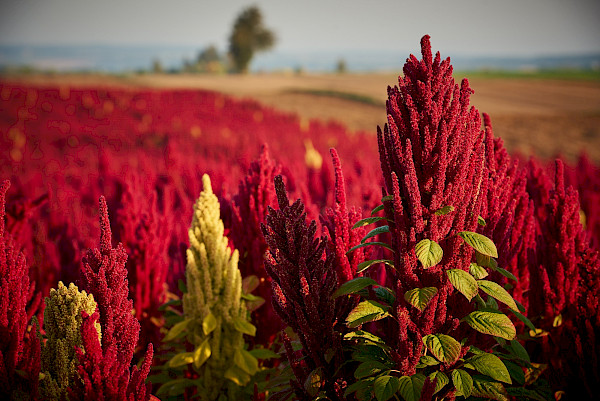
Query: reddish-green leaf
pixel 492 323
pixel 443 347
pixel 499 293
pixel 463 282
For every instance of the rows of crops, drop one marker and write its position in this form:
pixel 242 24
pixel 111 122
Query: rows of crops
pixel 255 300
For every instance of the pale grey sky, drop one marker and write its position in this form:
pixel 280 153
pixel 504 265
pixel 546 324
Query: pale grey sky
pixel 460 27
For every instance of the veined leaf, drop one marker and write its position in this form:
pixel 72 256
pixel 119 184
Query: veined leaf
pixel 492 323
pixel 420 297
pixel 429 253
pixel 368 263
pixel 477 271
pixel 490 365
pixel 495 290
pixel 444 210
pixel 374 232
pixel 490 390
pixel 480 243
pixel 176 330
pixel 382 244
pixel 209 323
pixel 463 382
pixel 366 311
pixel 443 347
pixel 463 282
pixel 181 359
pixel 385 387
pixel 427 360
pixel 244 326
pixel 202 353
pixel 441 380
pixel 411 386
pixel 366 222
pixel 354 285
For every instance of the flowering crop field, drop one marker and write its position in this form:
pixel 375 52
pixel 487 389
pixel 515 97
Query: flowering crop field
pixel 181 244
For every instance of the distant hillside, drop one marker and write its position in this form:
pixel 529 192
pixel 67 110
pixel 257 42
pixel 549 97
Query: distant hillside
pixel 131 58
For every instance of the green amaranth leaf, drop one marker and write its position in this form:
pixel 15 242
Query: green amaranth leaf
pixel 374 232
pixel 463 282
pixel 443 347
pixel 202 353
pixel 490 365
pixel 209 323
pixel 463 382
pixel 485 261
pixel 354 285
pixel 244 326
pixel 480 243
pixel 264 353
pixel 377 209
pixel 441 380
pixel 181 359
pixel 369 368
pixel 444 210
pixel 488 389
pixel 524 319
pixel 245 361
pixel 495 290
pixel 427 360
pixel 505 273
pixel 420 297
pixel 366 222
pixel 359 385
pixel 382 244
pixel 237 375
pixel 429 253
pixel 385 387
pixel 411 386
pixel 313 382
pixel 367 337
pixel 366 311
pixel 518 350
pixel 368 263
pixel 492 323
pixel 477 271
pixel 175 387
pixel 176 330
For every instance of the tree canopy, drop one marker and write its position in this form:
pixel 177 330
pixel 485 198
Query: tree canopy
pixel 248 36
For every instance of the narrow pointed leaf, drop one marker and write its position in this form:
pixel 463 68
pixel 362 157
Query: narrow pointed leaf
pixel 411 386
pixel 382 244
pixel 505 273
pixel 429 253
pixel 420 297
pixel 492 323
pixel 498 292
pixel 443 347
pixel 490 365
pixel 524 319
pixel 202 353
pixel 374 232
pixel 377 209
pixel 366 311
pixel 366 264
pixel 354 285
pixel 366 222
pixel 477 271
pixel 385 387
pixel 463 382
pixel 444 210
pixel 463 282
pixel 519 351
pixel 480 243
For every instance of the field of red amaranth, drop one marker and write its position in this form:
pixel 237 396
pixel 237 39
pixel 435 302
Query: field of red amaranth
pixel 424 263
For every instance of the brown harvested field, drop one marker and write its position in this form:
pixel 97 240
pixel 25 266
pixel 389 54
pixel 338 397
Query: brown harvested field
pixel 540 116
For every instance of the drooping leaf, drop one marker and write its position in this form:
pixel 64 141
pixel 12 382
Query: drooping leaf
pixel 477 271
pixel 368 263
pixel 490 365
pixel 246 361
pixel 209 323
pixel 505 273
pixel 480 243
pixel 354 285
pixel 202 353
pixel 176 330
pixel 237 375
pixel 181 359
pixel 411 386
pixel 485 261
pixel 516 372
pixel 495 290
pixel 371 353
pixel 359 385
pixel 374 232
pixel 524 319
pixel 385 294
pixel 366 311
pixel 362 245
pixel 249 284
pixel 244 326
pixel 377 209
pixel 385 387
pixel 463 382
pixel 492 323
pixel 367 337
pixel 444 210
pixel 367 221
pixel 440 380
pixel 463 282
pixel 420 297
pixel 429 253
pixel 518 350
pixel 443 347
pixel 488 389
pixel 264 353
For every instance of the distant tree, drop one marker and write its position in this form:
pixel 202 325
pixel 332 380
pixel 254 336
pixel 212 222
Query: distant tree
pixel 157 67
pixel 209 60
pixel 341 67
pixel 247 37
